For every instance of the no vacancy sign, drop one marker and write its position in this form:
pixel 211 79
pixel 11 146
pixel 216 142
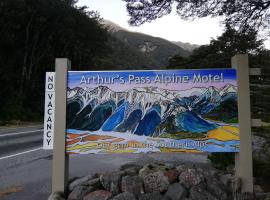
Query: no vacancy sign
pixel 49 111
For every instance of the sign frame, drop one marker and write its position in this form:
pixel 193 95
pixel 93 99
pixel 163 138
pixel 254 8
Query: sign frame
pixel 243 160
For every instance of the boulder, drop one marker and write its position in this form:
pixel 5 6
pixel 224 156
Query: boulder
pixel 226 179
pixel 79 192
pixel 217 188
pixel 98 195
pixel 181 168
pixel 155 182
pixel 131 169
pixel 125 196
pixel 153 167
pixel 199 193
pixel 172 175
pixel 147 169
pixel 56 196
pixel 191 177
pixel 153 196
pixel 132 184
pixel 94 183
pixel 260 147
pixel 176 192
pixel 258 189
pixel 112 181
pixel 80 181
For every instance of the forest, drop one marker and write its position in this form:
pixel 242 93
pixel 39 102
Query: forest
pixel 35 32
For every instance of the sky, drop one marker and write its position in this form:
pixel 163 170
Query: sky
pixel 170 27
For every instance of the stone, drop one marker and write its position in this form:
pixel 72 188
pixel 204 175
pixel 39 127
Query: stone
pixel 132 184
pixel 260 196
pixel 169 166
pixel 147 169
pixel 190 177
pixel 176 192
pixel 98 195
pixel 198 193
pixel 79 192
pixel 80 181
pixel 153 167
pixel 181 168
pixel 56 196
pixel 236 185
pixel 260 147
pixel 131 169
pixel 172 175
pixel 208 172
pixel 267 196
pixel 258 189
pixel 226 179
pixel 153 196
pixel 217 188
pixel 247 196
pixel 156 181
pixel 130 165
pixel 112 181
pixel 95 183
pixel 124 196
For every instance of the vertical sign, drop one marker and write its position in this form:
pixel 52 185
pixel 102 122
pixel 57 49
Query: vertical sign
pixel 49 111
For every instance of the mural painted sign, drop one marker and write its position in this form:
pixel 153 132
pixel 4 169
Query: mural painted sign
pixel 152 111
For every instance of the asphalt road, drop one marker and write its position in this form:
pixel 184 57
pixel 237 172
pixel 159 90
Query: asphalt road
pixel 18 140
pixel 25 169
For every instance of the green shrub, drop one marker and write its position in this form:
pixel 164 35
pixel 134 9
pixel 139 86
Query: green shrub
pixel 221 160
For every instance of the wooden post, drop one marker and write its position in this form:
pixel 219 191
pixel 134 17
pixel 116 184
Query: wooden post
pixel 243 159
pixel 60 158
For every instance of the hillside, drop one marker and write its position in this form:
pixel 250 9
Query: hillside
pixel 125 57
pixel 187 46
pixel 151 52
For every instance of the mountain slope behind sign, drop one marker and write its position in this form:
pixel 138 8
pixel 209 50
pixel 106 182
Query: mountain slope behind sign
pixel 157 50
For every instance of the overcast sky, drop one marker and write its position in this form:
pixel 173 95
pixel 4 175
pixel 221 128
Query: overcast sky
pixel 170 27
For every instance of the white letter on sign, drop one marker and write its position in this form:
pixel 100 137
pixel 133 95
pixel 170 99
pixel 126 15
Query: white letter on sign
pixel 49 111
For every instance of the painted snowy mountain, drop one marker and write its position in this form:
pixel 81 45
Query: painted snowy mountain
pixel 226 109
pixel 207 101
pixel 149 111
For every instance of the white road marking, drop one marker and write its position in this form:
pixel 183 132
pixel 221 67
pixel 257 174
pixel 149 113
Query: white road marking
pixel 5 129
pixel 19 133
pixel 21 153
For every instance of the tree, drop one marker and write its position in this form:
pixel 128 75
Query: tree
pixel 219 52
pixel 32 34
pixel 238 13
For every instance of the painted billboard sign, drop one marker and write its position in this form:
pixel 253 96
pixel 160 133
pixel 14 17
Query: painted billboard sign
pixel 152 111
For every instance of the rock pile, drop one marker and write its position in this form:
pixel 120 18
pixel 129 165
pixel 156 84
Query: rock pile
pixel 154 182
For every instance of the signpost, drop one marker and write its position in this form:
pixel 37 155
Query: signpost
pixel 60 158
pixel 152 111
pixel 243 159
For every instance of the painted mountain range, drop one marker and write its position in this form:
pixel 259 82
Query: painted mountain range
pixel 151 111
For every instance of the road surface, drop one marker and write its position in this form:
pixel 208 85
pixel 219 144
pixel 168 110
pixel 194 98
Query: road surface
pixel 25 169
pixel 18 140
